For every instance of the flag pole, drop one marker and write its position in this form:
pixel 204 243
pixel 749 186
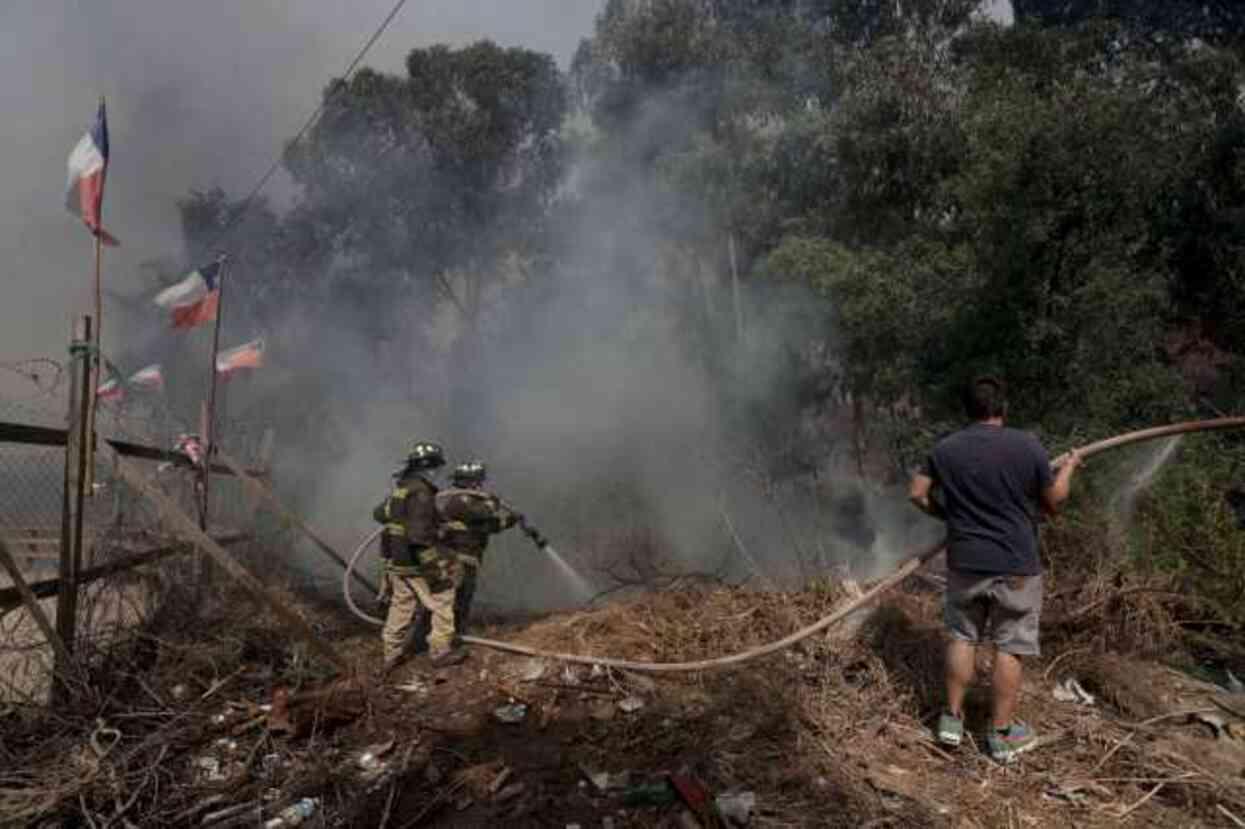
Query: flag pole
pixel 99 357
pixel 210 446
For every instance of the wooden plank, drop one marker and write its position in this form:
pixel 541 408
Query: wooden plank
pixel 35 555
pixel 190 528
pixel 44 436
pixel 261 491
pixel 63 660
pixel 47 588
pixel 31 435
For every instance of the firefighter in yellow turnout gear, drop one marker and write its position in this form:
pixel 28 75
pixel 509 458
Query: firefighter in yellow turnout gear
pixel 420 576
pixel 469 515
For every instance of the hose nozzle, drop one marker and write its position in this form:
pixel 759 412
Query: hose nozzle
pixel 534 534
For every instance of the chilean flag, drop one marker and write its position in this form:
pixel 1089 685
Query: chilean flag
pixel 247 355
pixel 88 165
pixel 111 390
pixel 195 299
pixel 149 378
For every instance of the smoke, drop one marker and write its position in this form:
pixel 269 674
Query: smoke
pixel 600 413
pixel 599 408
pixel 199 95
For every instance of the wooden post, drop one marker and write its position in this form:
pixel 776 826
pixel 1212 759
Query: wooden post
pixel 72 496
pixel 209 432
pixel 67 486
pixel 86 475
pixel 202 480
pixel 63 662
pixel 260 491
pixel 190 528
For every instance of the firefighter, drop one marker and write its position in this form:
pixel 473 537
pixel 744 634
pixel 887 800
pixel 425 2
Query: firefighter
pixel 420 577
pixel 469 515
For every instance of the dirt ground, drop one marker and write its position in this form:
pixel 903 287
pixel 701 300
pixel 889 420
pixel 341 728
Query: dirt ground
pixel 833 732
pixel 836 733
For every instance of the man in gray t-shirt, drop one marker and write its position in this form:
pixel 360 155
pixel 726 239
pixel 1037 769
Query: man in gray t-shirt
pixel 992 480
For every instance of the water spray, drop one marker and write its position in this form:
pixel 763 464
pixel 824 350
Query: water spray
pixel 542 544
pixel 534 535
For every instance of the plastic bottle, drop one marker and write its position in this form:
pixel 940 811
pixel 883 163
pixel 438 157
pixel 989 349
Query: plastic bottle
pixel 294 815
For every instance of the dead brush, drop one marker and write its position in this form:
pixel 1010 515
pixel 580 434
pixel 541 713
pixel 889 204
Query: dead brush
pixel 909 648
pixel 145 706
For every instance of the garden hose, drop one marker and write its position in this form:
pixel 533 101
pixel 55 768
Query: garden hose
pixel 910 566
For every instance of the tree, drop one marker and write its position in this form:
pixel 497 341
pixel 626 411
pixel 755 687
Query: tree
pixel 1017 226
pixel 438 175
pixel 1217 20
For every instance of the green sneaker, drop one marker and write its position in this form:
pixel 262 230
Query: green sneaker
pixel 950 729
pixel 1006 743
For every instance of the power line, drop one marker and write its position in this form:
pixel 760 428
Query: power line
pixel 276 165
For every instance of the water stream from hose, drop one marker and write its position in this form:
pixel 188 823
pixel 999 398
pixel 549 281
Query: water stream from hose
pixel 579 584
pixel 1124 502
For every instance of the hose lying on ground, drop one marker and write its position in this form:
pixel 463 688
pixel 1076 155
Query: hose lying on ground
pixel 909 567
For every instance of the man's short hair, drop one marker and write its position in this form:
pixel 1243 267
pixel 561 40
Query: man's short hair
pixel 985 397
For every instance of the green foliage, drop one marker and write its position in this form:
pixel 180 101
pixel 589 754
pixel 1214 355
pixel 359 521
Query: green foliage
pixel 446 168
pixel 1185 528
pixel 888 305
pixel 1058 201
pixel 1006 213
pixel 1214 20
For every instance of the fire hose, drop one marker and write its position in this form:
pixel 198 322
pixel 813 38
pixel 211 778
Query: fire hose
pixel 910 566
pixel 533 534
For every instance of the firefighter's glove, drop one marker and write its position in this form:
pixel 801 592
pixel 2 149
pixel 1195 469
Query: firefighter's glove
pixel 386 588
pixel 534 534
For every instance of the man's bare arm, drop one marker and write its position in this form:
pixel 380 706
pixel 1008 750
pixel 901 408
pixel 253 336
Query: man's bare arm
pixel 919 494
pixel 1058 491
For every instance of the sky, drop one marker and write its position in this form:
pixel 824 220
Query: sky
pixel 1000 10
pixel 199 94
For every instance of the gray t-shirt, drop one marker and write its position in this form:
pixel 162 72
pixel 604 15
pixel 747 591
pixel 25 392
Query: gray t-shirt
pixel 991 478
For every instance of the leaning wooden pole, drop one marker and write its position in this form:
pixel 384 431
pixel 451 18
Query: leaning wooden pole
pixel 190 528
pixel 64 661
pixel 258 490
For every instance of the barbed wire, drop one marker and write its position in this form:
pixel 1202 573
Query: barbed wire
pixel 44 373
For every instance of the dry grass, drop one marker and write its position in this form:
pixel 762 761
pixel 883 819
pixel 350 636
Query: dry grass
pixel 832 732
pixel 847 724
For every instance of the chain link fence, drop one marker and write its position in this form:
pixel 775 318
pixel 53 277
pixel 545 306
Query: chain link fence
pixel 120 527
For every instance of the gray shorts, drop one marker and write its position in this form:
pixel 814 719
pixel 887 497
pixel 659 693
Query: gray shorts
pixel 985 607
